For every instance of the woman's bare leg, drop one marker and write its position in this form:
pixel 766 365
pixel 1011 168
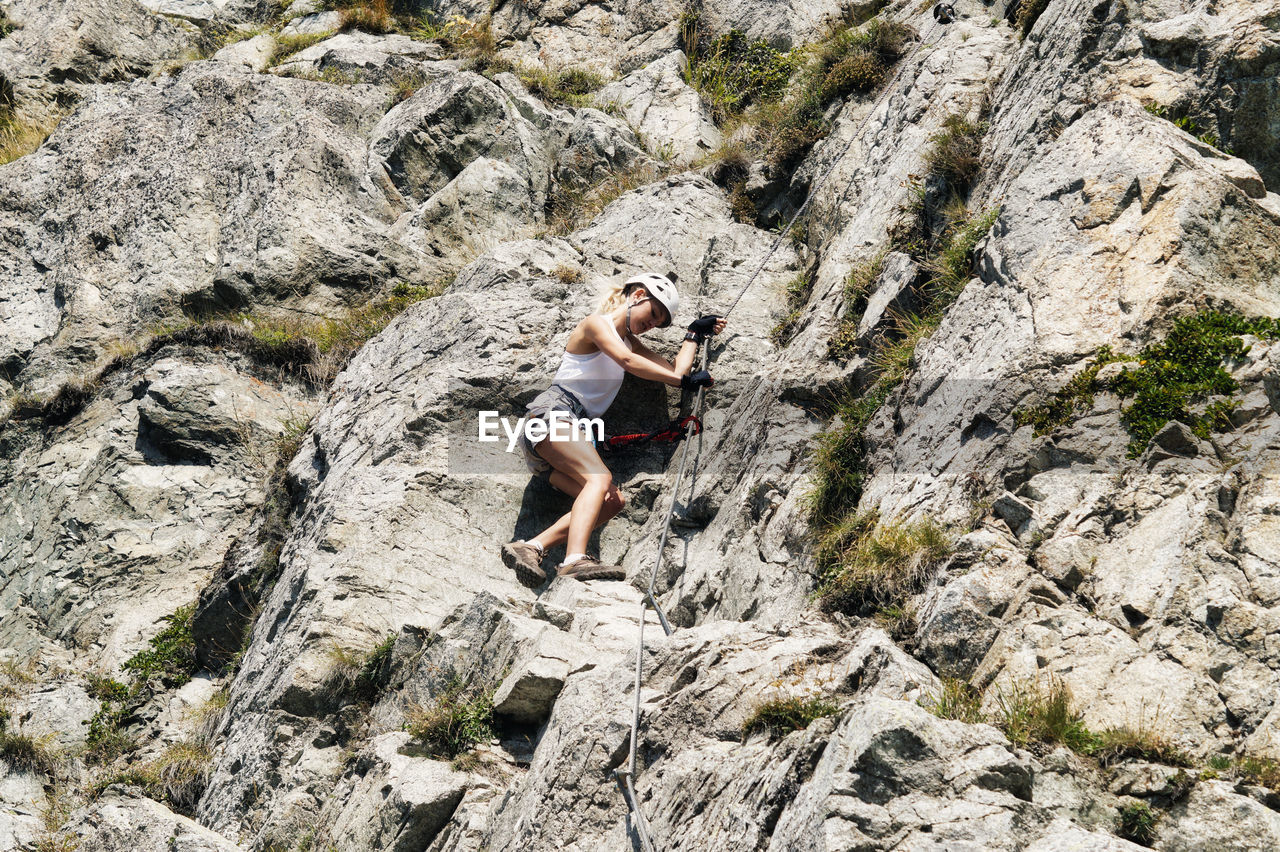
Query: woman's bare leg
pixel 579 460
pixel 559 531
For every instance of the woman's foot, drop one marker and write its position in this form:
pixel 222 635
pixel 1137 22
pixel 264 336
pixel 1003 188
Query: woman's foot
pixel 587 568
pixel 526 561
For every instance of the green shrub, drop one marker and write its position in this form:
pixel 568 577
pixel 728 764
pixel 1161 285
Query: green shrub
pixel 951 267
pixel 458 719
pixel 731 71
pixel 1136 822
pixel 857 73
pixel 171 656
pixel 780 716
pixel 868 567
pixel 957 700
pixel 1179 378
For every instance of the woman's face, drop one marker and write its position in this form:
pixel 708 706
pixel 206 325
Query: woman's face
pixel 646 315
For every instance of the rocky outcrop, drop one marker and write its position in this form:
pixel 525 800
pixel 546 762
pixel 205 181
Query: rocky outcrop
pixel 669 115
pixel 117 518
pixel 58 50
pixel 117 823
pixel 1142 578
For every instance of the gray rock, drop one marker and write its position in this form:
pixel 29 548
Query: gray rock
pixel 205 12
pixel 21 802
pixel 890 294
pixel 385 59
pixel 119 528
pixel 122 823
pixel 317 23
pixel 59 711
pixel 669 115
pixel 392 801
pixel 1063 836
pixel 60 49
pixel 1215 817
pixel 251 225
pixel 253 53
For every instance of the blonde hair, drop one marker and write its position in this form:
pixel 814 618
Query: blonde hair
pixel 611 297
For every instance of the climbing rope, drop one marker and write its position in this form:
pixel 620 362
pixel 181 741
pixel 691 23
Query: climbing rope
pixel 693 426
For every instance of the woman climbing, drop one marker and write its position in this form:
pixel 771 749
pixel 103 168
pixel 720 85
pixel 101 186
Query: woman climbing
pixel 600 350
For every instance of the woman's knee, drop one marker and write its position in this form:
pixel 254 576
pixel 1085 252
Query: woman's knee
pixel 613 500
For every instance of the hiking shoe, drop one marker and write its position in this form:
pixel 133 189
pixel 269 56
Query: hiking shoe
pixel 588 568
pixel 526 561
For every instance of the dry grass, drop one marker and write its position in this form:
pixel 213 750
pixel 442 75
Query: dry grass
pixel 20 136
pixel 371 16
pixel 25 753
pixel 458 719
pixel 869 566
pixel 571 208
pixel 784 714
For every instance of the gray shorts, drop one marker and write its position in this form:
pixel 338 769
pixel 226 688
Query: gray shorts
pixel 554 398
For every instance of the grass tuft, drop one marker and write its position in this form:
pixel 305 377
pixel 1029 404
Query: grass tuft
pixel 957 700
pixel 24 753
pixel 798 290
pixel 1136 822
pixel 572 86
pixel 857 287
pixel 458 719
pixel 288 45
pixel 954 152
pixel 869 567
pixel 782 715
pixel 1031 712
pixel 361 677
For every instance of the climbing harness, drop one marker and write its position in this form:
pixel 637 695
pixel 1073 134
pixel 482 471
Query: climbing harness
pixel 943 14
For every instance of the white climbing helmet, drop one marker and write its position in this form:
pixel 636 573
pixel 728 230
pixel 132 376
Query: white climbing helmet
pixel 660 288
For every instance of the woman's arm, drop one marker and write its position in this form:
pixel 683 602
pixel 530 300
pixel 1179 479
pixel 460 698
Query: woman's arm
pixel 596 328
pixel 684 358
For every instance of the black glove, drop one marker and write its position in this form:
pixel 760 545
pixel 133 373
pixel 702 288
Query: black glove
pixel 693 381
pixel 704 326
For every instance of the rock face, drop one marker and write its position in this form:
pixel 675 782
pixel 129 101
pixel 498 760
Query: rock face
pixel 670 116
pixel 58 50
pixel 397 688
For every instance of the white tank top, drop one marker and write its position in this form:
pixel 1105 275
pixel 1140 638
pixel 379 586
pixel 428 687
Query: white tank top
pixel 593 378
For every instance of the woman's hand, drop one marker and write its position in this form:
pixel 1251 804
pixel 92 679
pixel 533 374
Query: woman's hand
pixel 707 325
pixel 693 381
